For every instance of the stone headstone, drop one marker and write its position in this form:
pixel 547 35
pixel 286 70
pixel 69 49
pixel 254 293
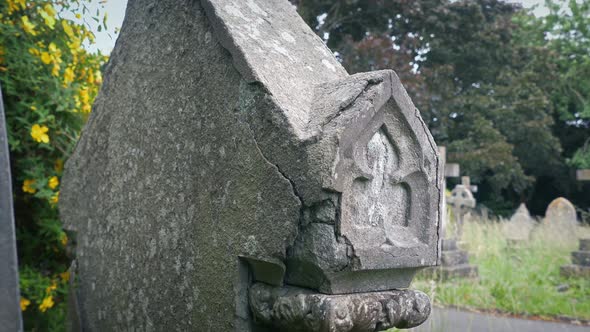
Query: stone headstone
pixel 231 161
pixel 10 314
pixel 520 225
pixel 580 266
pixel 561 220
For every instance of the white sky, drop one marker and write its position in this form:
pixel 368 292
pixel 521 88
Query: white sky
pixel 115 10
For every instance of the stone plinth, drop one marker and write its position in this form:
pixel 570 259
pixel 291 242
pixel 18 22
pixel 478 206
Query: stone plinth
pixel 580 266
pixel 454 263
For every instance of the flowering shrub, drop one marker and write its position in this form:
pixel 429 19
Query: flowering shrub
pixel 48 83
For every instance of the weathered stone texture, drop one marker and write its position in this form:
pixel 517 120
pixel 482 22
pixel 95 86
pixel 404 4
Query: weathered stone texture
pixel 227 146
pixel 170 187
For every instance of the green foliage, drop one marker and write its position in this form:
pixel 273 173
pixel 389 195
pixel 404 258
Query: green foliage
pixel 581 158
pixel 520 281
pixel 48 82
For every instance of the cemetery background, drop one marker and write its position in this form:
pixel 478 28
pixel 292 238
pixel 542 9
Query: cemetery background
pixel 511 106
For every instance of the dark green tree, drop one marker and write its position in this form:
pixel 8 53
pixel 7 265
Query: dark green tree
pixel 483 91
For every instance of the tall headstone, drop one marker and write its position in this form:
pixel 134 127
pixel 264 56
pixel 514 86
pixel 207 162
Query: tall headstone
pixel 580 266
pixel 10 315
pixel 233 177
pixel 518 229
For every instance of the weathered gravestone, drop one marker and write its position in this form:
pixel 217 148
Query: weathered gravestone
pixel 233 177
pixel 10 316
pixel 580 266
pixel 518 229
pixel 560 221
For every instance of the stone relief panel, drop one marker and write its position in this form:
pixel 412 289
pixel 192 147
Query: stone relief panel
pixel 385 202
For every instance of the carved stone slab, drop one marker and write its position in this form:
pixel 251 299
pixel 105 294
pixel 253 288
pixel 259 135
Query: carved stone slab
pixel 298 310
pixel 228 146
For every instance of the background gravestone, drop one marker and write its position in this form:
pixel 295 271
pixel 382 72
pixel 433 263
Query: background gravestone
pixel 233 176
pixel 519 227
pixel 560 220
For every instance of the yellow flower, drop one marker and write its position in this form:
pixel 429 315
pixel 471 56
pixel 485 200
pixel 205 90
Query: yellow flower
pixel 78 16
pixel 39 133
pixel 98 77
pixel 22 3
pixel 84 97
pixel 64 239
pixel 68 76
pixel 28 186
pixel 50 10
pixel 65 276
pixel 46 58
pixel 46 304
pixel 54 199
pixel 51 287
pixel 47 17
pixel 67 28
pixel 28 26
pixel 58 166
pixel 24 303
pixel 55 70
pixel 53 182
pixel 33 108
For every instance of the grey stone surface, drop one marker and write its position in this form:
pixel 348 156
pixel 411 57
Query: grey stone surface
pixel 561 220
pixel 10 314
pixel 228 146
pixel 295 309
pixel 520 225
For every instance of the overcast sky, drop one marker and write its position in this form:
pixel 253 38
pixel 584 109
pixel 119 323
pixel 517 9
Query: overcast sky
pixel 115 10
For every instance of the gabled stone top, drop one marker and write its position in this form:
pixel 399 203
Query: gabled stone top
pixel 276 48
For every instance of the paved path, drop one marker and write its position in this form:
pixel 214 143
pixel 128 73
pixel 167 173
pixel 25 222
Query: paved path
pixel 452 320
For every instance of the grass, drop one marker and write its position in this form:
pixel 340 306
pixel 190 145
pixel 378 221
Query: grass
pixel 521 281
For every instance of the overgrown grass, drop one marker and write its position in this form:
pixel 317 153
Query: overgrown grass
pixel 520 281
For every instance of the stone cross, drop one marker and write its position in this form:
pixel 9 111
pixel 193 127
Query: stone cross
pixel 461 201
pixel 466 181
pixel 234 177
pixel 10 315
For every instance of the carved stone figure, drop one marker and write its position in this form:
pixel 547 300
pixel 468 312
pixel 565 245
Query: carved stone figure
pixel 228 148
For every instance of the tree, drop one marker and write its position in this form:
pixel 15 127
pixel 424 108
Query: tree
pixel 481 91
pixel 49 81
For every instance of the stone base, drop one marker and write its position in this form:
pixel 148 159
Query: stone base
pixel 292 309
pixel 581 258
pixel 573 270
